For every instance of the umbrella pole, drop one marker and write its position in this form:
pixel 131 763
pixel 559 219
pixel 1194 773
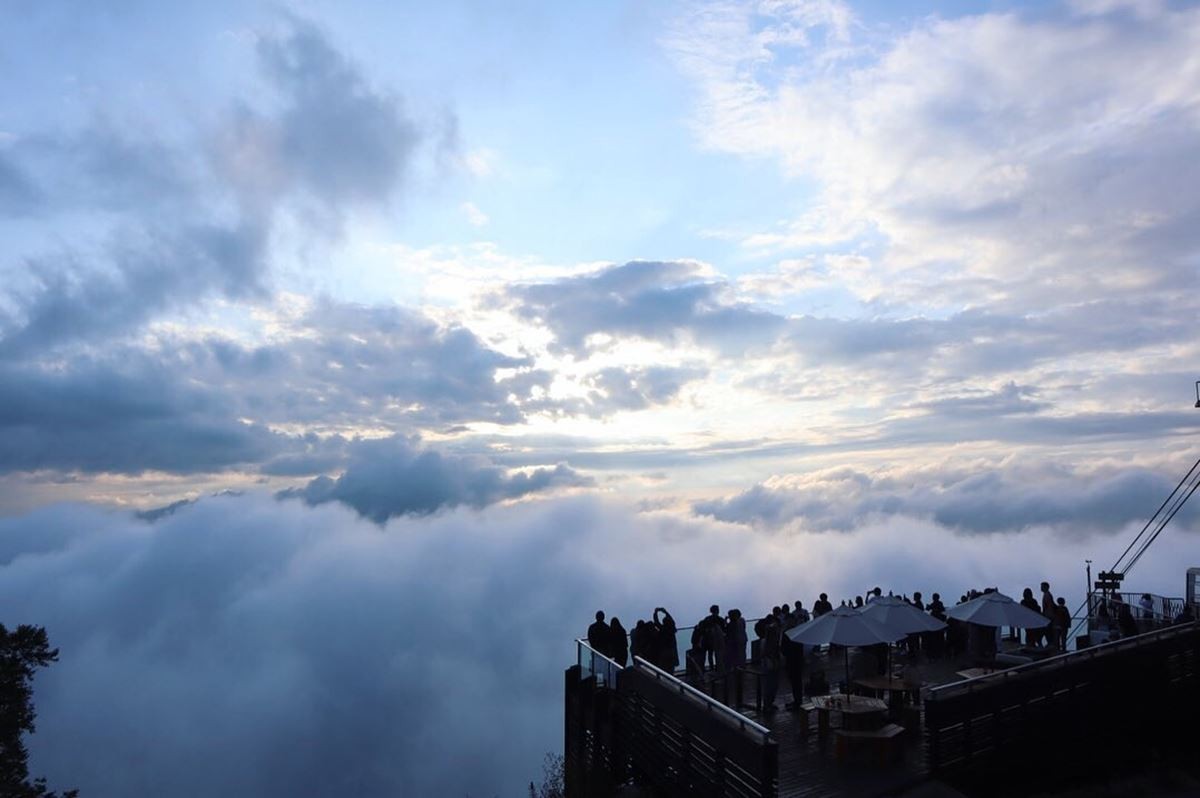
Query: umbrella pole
pixel 846 652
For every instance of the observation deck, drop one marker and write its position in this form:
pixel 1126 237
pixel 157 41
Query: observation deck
pixel 1066 719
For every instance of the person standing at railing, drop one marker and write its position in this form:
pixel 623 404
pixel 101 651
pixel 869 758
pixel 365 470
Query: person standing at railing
pixel 1051 615
pixel 1147 606
pixel 1032 636
pixel 618 642
pixel 1062 617
pixel 822 605
pixel 702 639
pixel 1125 621
pixel 770 661
pixel 668 646
pixel 735 639
pixel 599 635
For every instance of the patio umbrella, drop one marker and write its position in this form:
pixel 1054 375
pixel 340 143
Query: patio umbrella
pixel 898 615
pixel 845 626
pixel 997 609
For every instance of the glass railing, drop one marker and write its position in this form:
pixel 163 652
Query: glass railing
pixel 592 663
pixel 683 688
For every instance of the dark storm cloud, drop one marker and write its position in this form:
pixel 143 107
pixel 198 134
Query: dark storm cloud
pixel 395 476
pixel 357 365
pixel 970 499
pixel 186 406
pixel 658 301
pixel 105 416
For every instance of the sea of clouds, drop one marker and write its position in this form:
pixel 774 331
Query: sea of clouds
pixel 251 645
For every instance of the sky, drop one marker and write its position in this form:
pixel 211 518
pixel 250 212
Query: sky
pixel 353 354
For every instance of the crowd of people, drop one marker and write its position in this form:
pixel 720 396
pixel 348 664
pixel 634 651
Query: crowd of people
pixel 719 642
pixel 653 640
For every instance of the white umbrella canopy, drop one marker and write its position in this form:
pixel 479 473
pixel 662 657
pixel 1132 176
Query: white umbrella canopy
pixel 997 609
pixel 900 616
pixel 845 626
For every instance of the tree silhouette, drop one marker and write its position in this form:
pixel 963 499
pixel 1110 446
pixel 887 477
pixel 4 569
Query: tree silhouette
pixel 22 652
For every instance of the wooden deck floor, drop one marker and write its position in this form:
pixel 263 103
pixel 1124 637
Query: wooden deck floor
pixel 808 767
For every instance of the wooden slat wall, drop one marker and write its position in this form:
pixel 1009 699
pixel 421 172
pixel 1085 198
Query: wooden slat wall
pixel 1091 712
pixel 644 729
pixel 687 749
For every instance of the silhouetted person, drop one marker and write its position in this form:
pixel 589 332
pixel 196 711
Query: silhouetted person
pixel 935 642
pixel 598 635
pixel 638 639
pixel 801 614
pixel 822 605
pixel 618 641
pixel 1048 610
pixel 936 608
pixel 717 645
pixel 1063 616
pixel 874 593
pixel 858 602
pixel 1146 603
pixel 793 663
pixel 651 643
pixel 1125 621
pixel 735 640
pixel 703 640
pixel 668 648
pixel 1032 636
pixel 770 662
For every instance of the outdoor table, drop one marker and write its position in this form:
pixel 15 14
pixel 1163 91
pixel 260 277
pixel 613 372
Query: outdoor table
pixel 858 712
pixel 890 684
pixel 975 673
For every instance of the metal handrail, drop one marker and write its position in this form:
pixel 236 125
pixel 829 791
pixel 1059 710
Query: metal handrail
pixel 686 689
pixel 613 666
pixel 1087 653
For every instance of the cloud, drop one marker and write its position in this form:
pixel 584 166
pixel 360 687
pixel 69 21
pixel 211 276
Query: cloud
pixel 476 217
pixel 70 300
pixel 395 476
pixel 245 646
pixel 18 196
pixel 185 405
pixel 175 222
pixel 1006 158
pixel 659 301
pixel 122 415
pixel 977 497
pixel 635 388
pixel 337 139
pixel 337 365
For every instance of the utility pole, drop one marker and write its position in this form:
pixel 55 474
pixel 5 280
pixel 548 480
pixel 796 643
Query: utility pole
pixel 1088 593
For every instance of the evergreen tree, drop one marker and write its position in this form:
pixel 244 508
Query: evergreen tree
pixel 22 652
